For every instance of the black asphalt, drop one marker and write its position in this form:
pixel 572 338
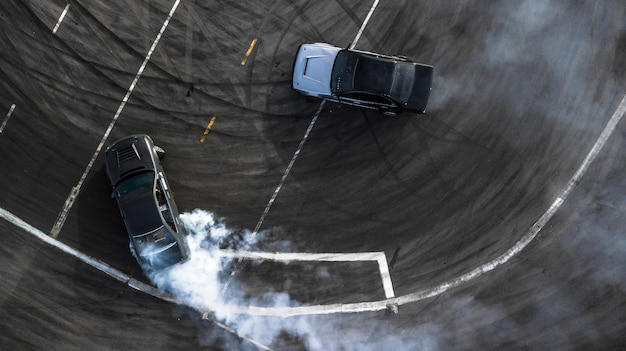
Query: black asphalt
pixel 521 93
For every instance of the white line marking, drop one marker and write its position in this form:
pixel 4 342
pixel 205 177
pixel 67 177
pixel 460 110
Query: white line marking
pixel 369 14
pixel 7 118
pixel 306 135
pixel 56 27
pixel 363 306
pixel 108 270
pixel 385 276
pixel 275 194
pixel 530 234
pixel 93 262
pixel 288 169
pixel 75 190
pixel 528 237
pixel 295 156
pixel 233 331
pixel 379 257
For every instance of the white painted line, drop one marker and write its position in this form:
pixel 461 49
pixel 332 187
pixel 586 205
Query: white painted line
pixel 93 262
pixel 526 239
pixel 306 135
pixel 233 331
pixel 275 194
pixel 362 306
pixel 380 305
pixel 75 190
pixel 379 257
pixel 108 270
pixel 7 118
pixel 56 27
pixel 289 167
pixel 295 156
pixel 369 14
pixel 385 276
pixel 301 256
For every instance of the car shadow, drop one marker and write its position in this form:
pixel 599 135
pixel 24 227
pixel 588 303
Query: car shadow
pixel 101 232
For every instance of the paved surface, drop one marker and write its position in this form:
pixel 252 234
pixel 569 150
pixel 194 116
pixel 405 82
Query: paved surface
pixel 522 92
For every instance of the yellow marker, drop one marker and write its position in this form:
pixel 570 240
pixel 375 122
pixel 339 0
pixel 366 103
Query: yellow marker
pixel 208 128
pixel 243 62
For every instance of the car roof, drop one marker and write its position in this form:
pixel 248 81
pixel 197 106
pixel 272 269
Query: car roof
pixel 358 71
pixel 404 81
pixel 140 211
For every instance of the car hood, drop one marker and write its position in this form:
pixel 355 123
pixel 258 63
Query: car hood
pixel 129 156
pixel 313 66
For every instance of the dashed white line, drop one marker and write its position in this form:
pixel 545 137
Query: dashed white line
pixel 75 190
pixel 56 27
pixel 7 117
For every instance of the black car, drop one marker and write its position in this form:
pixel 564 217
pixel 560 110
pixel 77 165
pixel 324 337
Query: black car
pixel 390 84
pixel 157 236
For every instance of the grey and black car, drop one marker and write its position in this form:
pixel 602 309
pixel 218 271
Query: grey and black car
pixel 157 236
pixel 390 84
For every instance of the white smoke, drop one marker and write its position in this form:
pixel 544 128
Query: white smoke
pixel 199 284
pixel 199 281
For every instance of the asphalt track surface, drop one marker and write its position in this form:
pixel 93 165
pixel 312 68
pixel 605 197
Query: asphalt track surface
pixel 522 94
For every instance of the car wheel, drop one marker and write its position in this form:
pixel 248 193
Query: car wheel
pixel 160 152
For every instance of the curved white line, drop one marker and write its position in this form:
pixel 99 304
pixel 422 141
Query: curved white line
pixel 530 234
pixel 93 262
pixel 528 237
pixel 108 270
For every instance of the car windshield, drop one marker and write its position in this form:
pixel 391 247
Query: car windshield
pixel 141 181
pixel 403 81
pixel 343 72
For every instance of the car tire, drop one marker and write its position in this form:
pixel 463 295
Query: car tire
pixel 159 151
